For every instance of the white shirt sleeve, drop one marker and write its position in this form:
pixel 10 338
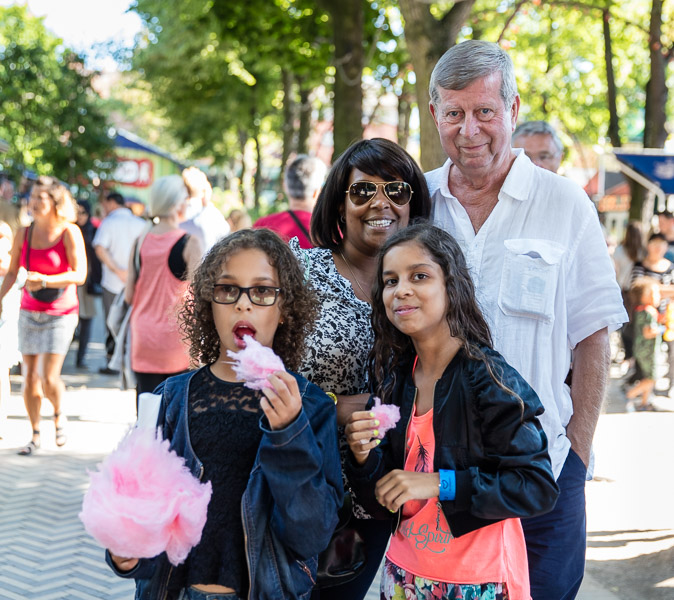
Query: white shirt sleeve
pixel 593 296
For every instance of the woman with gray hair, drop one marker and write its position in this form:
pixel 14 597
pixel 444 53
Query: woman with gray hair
pixel 165 263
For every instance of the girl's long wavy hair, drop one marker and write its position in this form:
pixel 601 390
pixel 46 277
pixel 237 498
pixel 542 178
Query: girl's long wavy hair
pixel 466 322
pixel 298 303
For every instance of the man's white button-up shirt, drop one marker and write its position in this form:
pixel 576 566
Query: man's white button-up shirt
pixel 543 277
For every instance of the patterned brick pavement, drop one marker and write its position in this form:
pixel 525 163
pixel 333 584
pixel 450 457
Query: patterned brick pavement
pixel 45 554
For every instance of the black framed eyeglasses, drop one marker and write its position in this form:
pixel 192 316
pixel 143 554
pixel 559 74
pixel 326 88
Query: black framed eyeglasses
pixel 260 295
pixel 398 192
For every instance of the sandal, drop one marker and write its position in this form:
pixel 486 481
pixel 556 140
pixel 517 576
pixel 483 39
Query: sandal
pixel 31 447
pixel 61 437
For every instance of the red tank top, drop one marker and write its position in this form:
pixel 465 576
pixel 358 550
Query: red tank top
pixel 49 261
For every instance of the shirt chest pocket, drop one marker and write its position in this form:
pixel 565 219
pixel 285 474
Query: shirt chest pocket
pixel 529 278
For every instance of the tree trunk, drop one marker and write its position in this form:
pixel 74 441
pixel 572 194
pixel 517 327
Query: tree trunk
pixel 404 114
pixel 243 140
pixel 427 40
pixel 288 119
pixel 348 23
pixel 656 100
pixel 613 124
pixel 305 121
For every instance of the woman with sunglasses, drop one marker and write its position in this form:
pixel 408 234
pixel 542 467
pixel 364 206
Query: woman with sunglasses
pixel 167 258
pixel 373 190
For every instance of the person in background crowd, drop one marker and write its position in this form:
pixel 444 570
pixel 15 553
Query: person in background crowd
pixel 10 210
pixel 9 321
pixel 373 190
pixel 647 337
pixel 541 144
pixel 205 221
pixel 113 242
pixel 52 252
pixel 87 292
pixel 302 182
pixel 631 251
pixel 666 227
pixel 168 255
pixel 239 219
pixel 543 278
pixel 657 267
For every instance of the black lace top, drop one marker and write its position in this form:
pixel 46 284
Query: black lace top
pixel 225 435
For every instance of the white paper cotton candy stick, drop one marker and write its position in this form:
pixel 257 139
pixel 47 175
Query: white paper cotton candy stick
pixel 255 363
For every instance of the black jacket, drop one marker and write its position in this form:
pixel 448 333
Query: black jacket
pixel 490 438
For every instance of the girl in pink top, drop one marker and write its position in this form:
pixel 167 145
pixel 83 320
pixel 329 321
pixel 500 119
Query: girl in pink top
pixel 168 256
pixel 468 457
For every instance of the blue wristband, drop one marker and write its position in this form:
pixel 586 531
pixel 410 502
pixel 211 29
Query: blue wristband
pixel 447 484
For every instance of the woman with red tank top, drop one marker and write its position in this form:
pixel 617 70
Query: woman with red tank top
pixel 52 251
pixel 168 256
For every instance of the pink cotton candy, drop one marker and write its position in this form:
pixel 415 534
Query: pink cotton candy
pixel 143 501
pixel 387 415
pixel 254 363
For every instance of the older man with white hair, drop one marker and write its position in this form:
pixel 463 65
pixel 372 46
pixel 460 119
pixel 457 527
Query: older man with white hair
pixel 543 277
pixel 541 144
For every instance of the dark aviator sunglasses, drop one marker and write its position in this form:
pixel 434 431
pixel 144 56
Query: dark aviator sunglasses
pixel 398 192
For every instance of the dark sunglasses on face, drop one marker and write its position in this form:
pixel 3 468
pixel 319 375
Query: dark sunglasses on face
pixel 398 192
pixel 260 295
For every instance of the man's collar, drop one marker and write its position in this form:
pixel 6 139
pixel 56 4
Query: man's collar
pixel 516 185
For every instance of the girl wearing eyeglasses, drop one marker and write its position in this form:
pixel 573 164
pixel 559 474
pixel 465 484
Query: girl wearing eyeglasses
pixel 373 190
pixel 271 456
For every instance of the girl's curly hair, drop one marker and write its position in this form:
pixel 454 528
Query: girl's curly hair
pixel 298 303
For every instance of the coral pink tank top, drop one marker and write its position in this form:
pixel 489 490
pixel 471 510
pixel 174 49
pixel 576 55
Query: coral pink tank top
pixel 156 341
pixel 424 544
pixel 49 261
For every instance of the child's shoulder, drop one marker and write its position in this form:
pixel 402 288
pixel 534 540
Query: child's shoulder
pixel 310 393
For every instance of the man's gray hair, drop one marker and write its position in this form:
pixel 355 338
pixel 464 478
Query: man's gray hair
pixel 469 61
pixel 538 127
pixel 304 176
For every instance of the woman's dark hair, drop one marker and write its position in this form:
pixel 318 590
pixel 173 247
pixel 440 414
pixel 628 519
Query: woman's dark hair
pixel 298 303
pixel 379 157
pixel 466 322
pixel 633 243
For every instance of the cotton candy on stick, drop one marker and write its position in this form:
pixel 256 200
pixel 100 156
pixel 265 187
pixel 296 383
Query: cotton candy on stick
pixel 254 363
pixel 387 415
pixel 143 500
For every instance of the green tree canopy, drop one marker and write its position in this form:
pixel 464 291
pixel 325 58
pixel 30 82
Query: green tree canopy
pixel 49 113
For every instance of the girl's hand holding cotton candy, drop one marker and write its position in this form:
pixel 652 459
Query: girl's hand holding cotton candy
pixel 255 363
pixel 143 501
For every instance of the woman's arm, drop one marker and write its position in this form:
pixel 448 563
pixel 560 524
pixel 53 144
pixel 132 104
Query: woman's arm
pixel 347 405
pixel 192 254
pixel 131 275
pixel 13 269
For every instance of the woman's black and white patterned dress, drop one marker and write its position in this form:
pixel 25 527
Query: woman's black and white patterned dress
pixel 340 342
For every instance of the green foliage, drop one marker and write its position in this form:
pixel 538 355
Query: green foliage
pixel 48 111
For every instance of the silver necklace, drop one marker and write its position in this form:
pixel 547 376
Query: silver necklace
pixel 360 287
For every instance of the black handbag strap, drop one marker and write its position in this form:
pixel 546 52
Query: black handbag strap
pixel 29 236
pixel 299 224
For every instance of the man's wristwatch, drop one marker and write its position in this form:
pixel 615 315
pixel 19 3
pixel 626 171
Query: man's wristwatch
pixel 44 283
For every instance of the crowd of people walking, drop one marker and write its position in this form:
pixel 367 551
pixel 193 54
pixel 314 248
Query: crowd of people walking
pixel 458 295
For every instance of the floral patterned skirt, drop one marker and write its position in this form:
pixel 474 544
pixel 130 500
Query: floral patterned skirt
pixel 398 584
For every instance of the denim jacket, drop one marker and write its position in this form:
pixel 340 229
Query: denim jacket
pixel 288 514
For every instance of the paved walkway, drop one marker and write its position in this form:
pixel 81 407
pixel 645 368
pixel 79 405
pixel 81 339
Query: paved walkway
pixel 45 553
